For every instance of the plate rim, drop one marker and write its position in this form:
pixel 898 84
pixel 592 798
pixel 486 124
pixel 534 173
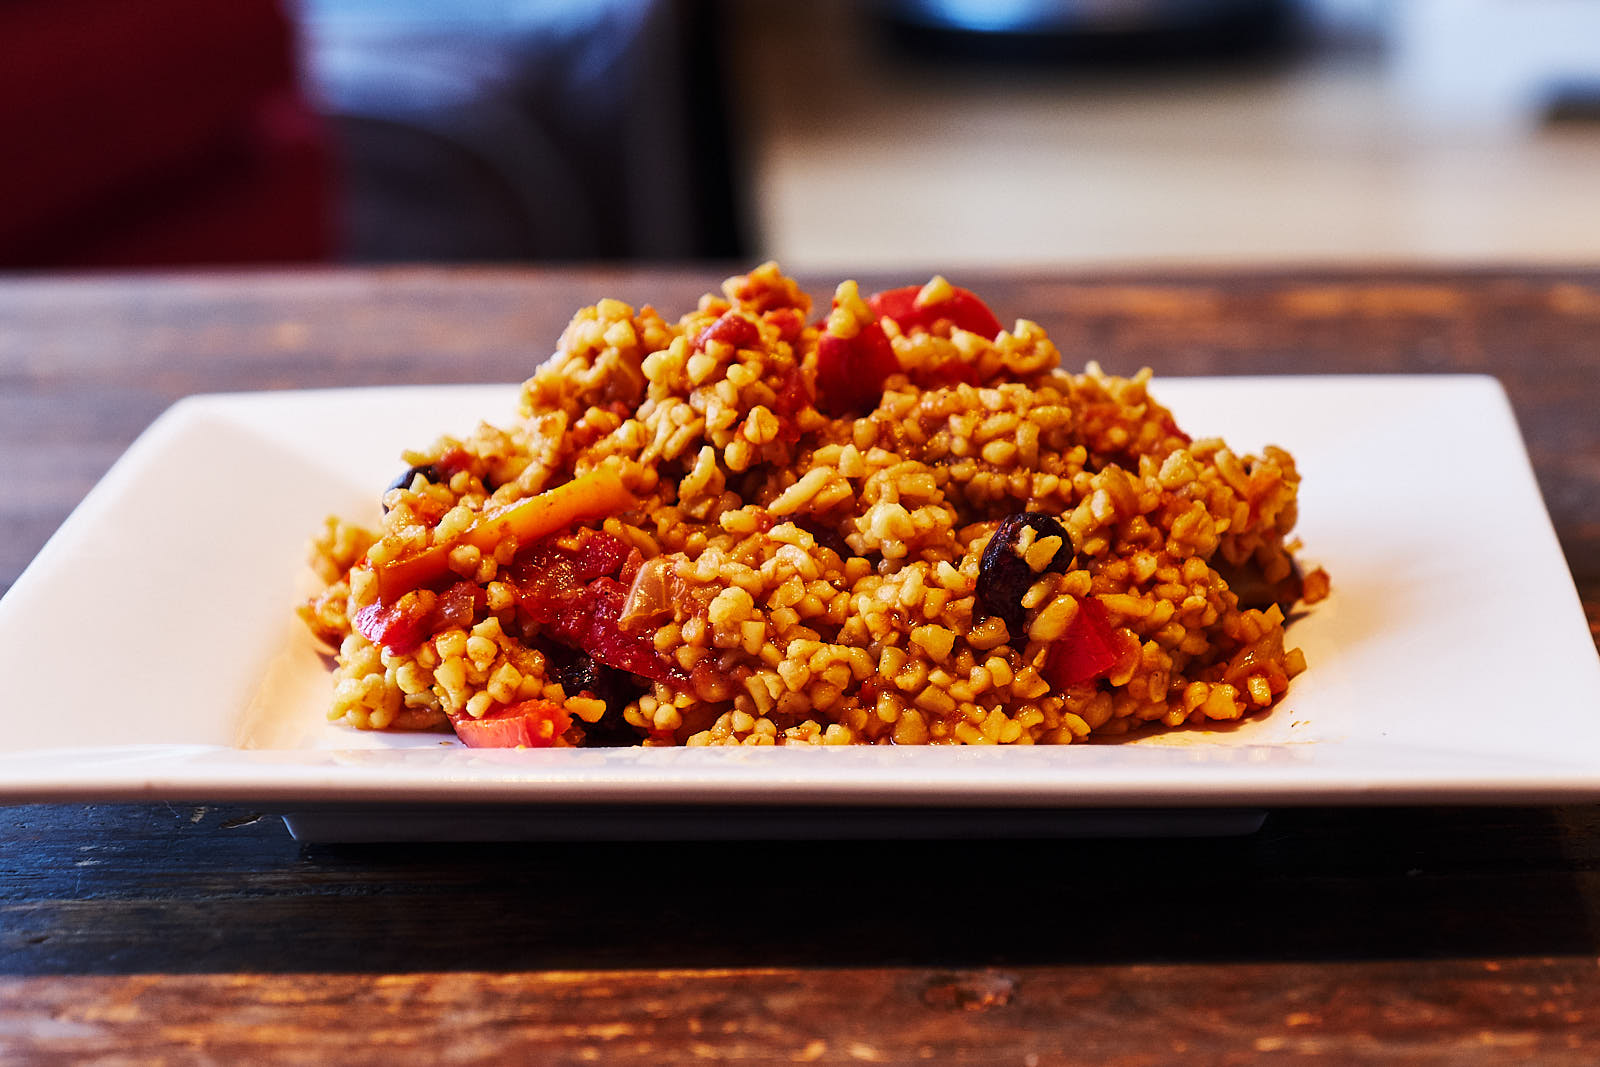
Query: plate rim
pixel 221 773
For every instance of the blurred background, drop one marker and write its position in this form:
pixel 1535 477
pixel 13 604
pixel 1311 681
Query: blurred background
pixel 833 135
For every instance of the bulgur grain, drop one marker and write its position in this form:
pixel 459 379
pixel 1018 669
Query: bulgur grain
pixel 783 576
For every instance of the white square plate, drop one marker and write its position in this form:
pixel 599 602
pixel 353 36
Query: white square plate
pixel 151 650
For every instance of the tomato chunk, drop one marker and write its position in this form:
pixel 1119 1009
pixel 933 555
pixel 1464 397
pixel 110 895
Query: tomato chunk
pixel 851 370
pixel 592 625
pixel 403 625
pixel 731 328
pixel 962 309
pixel 1085 652
pixel 789 321
pixel 576 596
pixel 529 724
pixel 397 627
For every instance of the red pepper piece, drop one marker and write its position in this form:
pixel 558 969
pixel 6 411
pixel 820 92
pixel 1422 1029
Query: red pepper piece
pixel 1085 652
pixel 529 724
pixel 962 309
pixel 851 370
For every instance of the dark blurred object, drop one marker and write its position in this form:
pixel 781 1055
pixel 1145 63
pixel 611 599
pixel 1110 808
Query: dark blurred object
pixel 158 133
pixel 1088 32
pixel 1574 102
pixel 481 130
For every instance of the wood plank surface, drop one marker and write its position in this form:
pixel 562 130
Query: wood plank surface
pixel 85 364
pixel 156 933
pixel 1408 935
pixel 1411 1012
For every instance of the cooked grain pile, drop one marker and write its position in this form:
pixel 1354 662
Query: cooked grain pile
pixel 901 524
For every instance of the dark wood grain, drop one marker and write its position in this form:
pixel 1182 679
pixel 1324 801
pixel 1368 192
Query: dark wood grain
pixel 139 933
pixel 1417 935
pixel 85 364
pixel 116 889
pixel 1414 1012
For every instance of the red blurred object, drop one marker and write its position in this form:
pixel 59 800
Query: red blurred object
pixel 160 133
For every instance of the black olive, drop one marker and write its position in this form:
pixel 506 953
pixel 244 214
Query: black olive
pixel 429 473
pixel 1004 576
pixel 824 535
pixel 1253 589
pixel 580 674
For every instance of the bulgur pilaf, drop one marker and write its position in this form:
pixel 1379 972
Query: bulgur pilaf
pixel 901 524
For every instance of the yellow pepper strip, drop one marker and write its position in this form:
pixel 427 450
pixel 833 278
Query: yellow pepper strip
pixel 588 496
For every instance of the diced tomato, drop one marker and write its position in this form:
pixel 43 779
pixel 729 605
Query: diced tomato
pixel 399 627
pixel 789 321
pixel 601 554
pixel 571 584
pixel 402 626
pixel 732 328
pixel 1085 652
pixel 851 370
pixel 575 595
pixel 591 624
pixel 529 724
pixel 456 606
pixel 547 576
pixel 961 309
pixel 792 396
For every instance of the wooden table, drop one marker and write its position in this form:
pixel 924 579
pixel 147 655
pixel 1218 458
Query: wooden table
pixel 160 933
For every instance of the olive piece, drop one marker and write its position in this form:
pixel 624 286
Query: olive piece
pixel 429 473
pixel 1004 576
pixel 583 675
pixel 1250 585
pixel 825 535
